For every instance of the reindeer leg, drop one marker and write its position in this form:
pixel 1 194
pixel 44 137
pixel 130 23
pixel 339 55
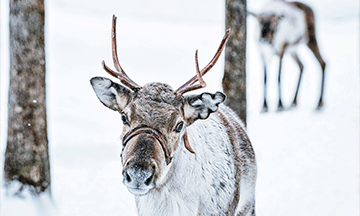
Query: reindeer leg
pixel 264 61
pixel 301 66
pixel 280 106
pixel 265 107
pixel 312 44
pixel 281 55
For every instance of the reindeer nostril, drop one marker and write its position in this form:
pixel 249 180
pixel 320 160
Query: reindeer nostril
pixel 128 178
pixel 149 180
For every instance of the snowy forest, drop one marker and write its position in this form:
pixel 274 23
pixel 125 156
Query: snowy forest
pixel 307 159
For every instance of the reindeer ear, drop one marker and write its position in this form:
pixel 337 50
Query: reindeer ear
pixel 112 95
pixel 201 106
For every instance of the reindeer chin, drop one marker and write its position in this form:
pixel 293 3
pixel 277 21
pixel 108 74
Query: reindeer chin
pixel 139 191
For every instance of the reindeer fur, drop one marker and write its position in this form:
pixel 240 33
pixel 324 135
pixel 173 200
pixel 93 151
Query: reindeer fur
pixel 208 182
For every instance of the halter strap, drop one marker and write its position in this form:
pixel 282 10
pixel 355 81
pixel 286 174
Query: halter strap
pixel 187 144
pixel 148 130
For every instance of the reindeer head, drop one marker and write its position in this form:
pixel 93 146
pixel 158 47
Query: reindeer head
pixel 268 25
pixel 154 119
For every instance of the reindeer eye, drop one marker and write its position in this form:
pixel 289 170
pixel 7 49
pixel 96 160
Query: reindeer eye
pixel 124 119
pixel 179 127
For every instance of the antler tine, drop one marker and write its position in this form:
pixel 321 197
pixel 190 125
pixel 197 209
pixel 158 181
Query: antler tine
pixel 127 82
pixel 121 73
pixel 114 48
pixel 189 85
pixel 198 72
pixel 188 88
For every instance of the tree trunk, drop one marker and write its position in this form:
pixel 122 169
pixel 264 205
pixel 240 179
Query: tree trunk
pixel 27 155
pixel 234 80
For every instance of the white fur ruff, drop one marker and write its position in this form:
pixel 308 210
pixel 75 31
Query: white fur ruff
pixel 203 182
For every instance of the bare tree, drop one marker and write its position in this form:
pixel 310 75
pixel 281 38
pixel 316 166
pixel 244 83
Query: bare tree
pixel 27 156
pixel 234 80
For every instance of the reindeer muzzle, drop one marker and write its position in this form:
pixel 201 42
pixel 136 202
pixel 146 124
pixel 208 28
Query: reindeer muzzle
pixel 155 133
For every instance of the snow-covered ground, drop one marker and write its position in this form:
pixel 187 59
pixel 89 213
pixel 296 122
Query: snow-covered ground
pixel 308 161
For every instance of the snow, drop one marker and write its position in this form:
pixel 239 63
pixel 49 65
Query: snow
pixel 308 161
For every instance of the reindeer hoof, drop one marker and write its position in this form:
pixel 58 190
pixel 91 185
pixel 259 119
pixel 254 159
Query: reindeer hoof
pixel 280 106
pixel 264 109
pixel 294 104
pixel 320 105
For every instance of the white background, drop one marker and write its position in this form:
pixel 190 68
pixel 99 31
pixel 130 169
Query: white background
pixel 308 161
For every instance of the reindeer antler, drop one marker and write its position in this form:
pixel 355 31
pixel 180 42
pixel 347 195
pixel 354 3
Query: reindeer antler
pixel 121 73
pixel 190 85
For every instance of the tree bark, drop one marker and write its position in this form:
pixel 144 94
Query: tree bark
pixel 234 80
pixel 27 155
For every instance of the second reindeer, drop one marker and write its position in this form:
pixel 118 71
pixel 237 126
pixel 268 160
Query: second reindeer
pixel 284 26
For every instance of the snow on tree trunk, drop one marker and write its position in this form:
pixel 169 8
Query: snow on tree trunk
pixel 234 80
pixel 27 156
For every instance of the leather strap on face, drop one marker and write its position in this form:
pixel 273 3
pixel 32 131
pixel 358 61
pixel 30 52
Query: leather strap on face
pixel 148 130
pixel 187 144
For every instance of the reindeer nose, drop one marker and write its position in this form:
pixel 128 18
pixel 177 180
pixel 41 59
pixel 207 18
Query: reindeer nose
pixel 138 177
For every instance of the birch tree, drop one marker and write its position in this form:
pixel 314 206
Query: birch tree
pixel 234 80
pixel 27 155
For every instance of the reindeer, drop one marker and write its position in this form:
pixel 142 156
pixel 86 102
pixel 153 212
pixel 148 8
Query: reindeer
pixel 283 26
pixel 181 154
